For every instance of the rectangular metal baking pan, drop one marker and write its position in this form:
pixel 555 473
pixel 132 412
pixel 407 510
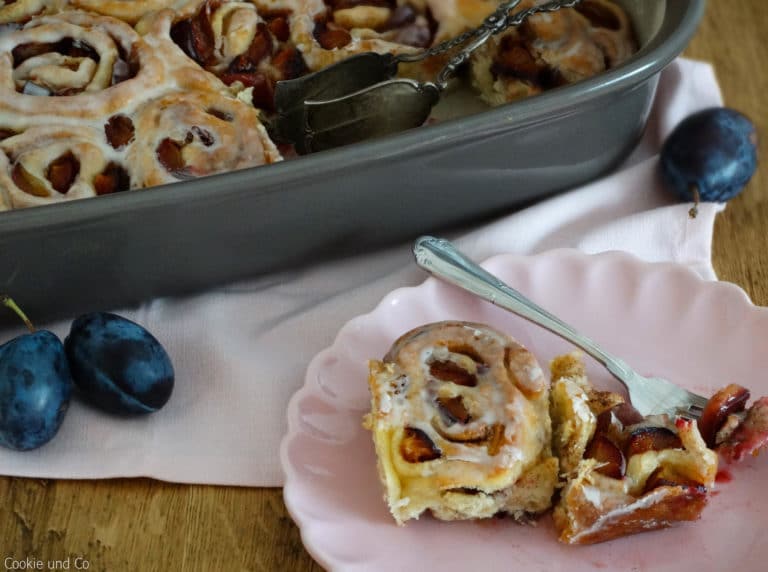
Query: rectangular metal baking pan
pixel 112 251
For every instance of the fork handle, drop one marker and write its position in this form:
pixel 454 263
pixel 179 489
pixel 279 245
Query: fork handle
pixel 441 258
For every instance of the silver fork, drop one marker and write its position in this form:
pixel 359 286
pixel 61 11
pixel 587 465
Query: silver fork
pixel 649 395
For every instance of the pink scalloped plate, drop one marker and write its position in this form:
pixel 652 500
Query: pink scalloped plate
pixel 662 318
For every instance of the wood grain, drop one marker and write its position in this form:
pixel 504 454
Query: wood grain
pixel 732 39
pixel 146 525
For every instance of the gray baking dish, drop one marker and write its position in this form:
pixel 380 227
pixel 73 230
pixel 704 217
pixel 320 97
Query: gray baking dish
pixel 113 251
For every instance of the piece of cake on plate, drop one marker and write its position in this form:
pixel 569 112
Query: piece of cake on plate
pixel 624 473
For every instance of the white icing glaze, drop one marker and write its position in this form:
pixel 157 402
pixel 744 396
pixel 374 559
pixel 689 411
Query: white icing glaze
pixel 169 97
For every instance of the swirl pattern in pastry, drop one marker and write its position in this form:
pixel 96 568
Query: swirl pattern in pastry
pixel 75 65
pixel 460 422
pixel 50 164
pixel 185 135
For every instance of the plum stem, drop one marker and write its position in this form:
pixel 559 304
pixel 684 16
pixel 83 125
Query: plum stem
pixel 694 189
pixel 8 302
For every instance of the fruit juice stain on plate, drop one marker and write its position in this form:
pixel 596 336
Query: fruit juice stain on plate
pixel 723 476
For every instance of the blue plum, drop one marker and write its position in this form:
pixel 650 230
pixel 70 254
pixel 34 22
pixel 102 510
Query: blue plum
pixel 712 153
pixel 117 365
pixel 35 389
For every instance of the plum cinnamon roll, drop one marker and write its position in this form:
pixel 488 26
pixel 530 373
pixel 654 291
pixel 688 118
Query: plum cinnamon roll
pixel 552 49
pixel 460 423
pixel 332 30
pixel 51 164
pixel 184 135
pixel 246 46
pixel 76 65
pixel 624 473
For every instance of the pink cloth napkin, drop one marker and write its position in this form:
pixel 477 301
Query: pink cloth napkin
pixel 240 352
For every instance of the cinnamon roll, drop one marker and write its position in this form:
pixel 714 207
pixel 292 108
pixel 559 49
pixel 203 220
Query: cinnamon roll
pixel 185 135
pixel 460 423
pixel 625 474
pixel 248 47
pixel 552 49
pixel 75 65
pixel 50 164
pixel 331 30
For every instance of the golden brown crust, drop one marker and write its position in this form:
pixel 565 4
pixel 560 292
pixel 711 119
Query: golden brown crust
pixel 621 478
pixel 582 522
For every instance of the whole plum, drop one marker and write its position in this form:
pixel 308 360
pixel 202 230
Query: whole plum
pixel 118 365
pixel 710 155
pixel 35 389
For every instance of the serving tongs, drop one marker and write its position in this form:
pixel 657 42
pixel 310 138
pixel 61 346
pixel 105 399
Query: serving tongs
pixel 360 97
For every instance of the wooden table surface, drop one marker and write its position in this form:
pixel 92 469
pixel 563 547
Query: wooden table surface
pixel 145 525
